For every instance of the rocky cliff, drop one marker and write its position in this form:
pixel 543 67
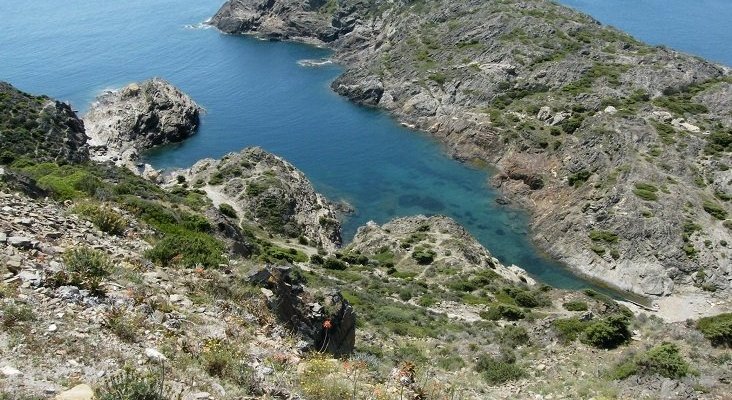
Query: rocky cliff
pixel 269 191
pixel 124 123
pixel 620 149
pixel 39 128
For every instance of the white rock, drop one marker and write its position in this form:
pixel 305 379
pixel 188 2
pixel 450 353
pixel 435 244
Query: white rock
pixel 78 392
pixel 611 110
pixel 9 371
pixel 52 328
pixel 155 355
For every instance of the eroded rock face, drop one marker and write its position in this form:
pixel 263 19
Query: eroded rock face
pixel 572 114
pixel 124 123
pixel 270 191
pixel 413 239
pixel 324 319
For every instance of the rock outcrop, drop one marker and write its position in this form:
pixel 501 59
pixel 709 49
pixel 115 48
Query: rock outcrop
pixel 443 242
pixel 327 326
pixel 268 190
pixel 124 123
pixel 39 128
pixel 577 117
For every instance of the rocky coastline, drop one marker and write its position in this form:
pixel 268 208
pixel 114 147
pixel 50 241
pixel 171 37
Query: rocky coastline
pixel 613 145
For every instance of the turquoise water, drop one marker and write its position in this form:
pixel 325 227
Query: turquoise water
pixel 255 93
pixel 699 27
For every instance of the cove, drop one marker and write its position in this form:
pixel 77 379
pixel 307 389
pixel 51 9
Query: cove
pixel 256 94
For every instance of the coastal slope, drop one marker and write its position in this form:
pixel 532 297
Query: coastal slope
pixel 619 149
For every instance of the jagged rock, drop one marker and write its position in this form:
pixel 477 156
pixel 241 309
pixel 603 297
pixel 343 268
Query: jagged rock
pixel 20 241
pixel 122 124
pixel 327 326
pixel 270 191
pixel 367 91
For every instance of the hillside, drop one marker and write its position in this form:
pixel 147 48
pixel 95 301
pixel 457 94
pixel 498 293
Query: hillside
pixel 620 150
pixel 122 288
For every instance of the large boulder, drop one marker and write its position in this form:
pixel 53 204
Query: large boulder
pixel 324 319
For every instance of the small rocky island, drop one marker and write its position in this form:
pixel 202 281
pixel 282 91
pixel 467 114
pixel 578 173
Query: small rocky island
pixel 123 124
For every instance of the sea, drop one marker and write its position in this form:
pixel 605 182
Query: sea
pixel 276 95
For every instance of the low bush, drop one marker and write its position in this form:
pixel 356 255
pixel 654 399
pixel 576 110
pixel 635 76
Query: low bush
pixel 503 311
pixel 513 336
pixel 423 256
pixel 104 218
pixel 227 210
pixel 579 178
pixel 133 385
pixel 714 209
pixel 607 333
pixel 85 268
pixel 497 372
pixel 569 329
pixel 575 305
pixel 187 249
pixel 14 314
pixel 717 329
pixel 334 264
pixel 664 360
pixel 646 191
pixel 603 236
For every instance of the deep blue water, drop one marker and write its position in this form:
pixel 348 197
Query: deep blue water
pixel 699 27
pixel 255 93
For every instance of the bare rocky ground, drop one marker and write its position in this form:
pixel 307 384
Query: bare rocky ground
pixel 217 338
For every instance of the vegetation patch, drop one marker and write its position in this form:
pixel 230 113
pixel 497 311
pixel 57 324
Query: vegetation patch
pixel 646 191
pixel 664 360
pixel 717 329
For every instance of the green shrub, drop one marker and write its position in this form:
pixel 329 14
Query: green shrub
pixel 13 314
pixel 569 329
pixel 663 360
pixel 423 256
pixel 714 209
pixel 187 249
pixel 575 305
pixel 646 191
pixel 334 264
pixel 88 263
pixel 513 336
pixel 133 385
pixel 503 311
pixel 122 323
pixel 608 333
pixel 227 210
pixel 579 178
pixel 717 329
pixel 497 372
pixel 603 236
pixel 529 299
pixel 104 218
